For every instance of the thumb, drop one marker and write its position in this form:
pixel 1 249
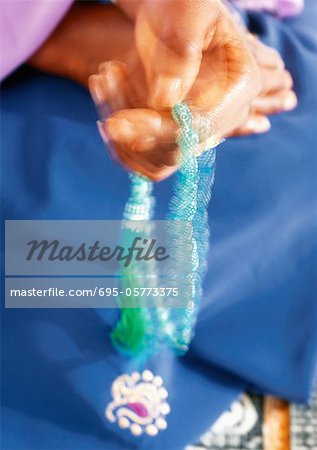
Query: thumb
pixel 170 37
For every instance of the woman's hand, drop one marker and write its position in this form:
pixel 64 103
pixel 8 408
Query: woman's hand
pixel 92 33
pixel 184 40
pixel 197 55
pixel 277 94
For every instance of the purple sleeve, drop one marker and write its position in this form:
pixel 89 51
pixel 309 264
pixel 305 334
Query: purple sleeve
pixel 283 8
pixel 25 24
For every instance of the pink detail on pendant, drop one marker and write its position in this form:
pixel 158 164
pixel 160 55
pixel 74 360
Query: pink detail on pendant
pixel 139 409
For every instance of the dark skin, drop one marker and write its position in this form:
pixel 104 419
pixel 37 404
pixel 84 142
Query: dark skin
pixel 80 46
pixel 88 35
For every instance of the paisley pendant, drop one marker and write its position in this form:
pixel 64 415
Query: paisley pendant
pixel 139 403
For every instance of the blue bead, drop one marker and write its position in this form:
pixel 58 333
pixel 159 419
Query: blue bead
pixel 192 192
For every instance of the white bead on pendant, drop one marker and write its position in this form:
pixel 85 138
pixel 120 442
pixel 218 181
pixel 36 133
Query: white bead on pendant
pixel 139 403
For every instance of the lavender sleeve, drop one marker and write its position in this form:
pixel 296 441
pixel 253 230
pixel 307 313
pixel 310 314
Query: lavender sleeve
pixel 25 24
pixel 282 8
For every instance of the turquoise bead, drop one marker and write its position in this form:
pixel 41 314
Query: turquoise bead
pixel 191 196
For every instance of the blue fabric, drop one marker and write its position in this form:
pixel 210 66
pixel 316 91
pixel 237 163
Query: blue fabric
pixel 258 325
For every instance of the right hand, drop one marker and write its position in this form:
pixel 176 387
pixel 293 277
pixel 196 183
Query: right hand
pixel 218 77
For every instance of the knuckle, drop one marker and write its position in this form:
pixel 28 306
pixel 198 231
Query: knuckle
pixel 178 40
pixel 288 79
pixel 103 67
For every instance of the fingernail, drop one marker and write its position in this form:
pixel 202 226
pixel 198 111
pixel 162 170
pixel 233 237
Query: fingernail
pixel 95 87
pixel 166 92
pixel 120 129
pixel 259 125
pixel 102 131
pixel 290 102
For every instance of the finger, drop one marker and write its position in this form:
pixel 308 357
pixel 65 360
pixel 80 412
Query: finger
pixel 207 137
pixel 256 124
pixel 224 94
pixel 110 88
pixel 265 56
pixel 141 129
pixel 170 44
pixel 274 80
pixel 132 79
pixel 149 167
pixel 156 164
pixel 285 100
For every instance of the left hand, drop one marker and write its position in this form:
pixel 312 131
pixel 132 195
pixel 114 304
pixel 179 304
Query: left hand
pixel 277 94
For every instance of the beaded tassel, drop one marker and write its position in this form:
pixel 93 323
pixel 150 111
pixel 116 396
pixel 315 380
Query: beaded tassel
pixel 139 330
pixel 133 333
pixel 192 193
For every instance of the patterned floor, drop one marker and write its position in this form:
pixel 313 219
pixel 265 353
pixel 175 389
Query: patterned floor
pixel 257 423
pixel 304 426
